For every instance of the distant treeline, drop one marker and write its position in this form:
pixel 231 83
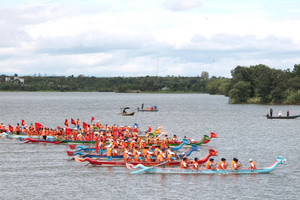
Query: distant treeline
pixel 199 84
pixel 264 85
pixel 257 84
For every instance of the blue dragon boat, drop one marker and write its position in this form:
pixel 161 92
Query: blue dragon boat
pixel 156 170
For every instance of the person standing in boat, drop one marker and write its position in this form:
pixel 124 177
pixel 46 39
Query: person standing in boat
pixel 142 106
pixel 252 164
pixel 287 113
pixel 271 112
pixel 279 114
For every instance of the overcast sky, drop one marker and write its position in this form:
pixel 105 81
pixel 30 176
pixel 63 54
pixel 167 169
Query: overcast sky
pixel 147 37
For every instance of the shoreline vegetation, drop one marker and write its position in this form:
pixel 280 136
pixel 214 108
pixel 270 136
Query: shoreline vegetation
pixel 258 84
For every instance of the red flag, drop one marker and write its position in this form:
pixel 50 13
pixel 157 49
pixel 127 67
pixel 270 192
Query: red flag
pixel 84 125
pixel 38 126
pixel 11 129
pixel 66 123
pixel 58 128
pixel 92 119
pixel 23 122
pixel 73 121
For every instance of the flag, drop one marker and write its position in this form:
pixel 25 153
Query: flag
pixel 23 122
pixel 58 128
pixel 38 126
pixel 92 119
pixel 73 121
pixel 66 123
pixel 84 125
pixel 10 128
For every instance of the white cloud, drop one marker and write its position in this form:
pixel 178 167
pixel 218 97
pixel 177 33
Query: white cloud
pixel 179 5
pixel 125 38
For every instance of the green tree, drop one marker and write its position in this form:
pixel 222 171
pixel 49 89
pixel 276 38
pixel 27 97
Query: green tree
pixel 240 92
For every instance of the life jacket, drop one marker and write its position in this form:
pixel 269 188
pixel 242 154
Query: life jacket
pixel 149 159
pixel 144 152
pixel 148 140
pixel 174 139
pixel 208 165
pixel 183 165
pixel 125 155
pixel 233 165
pixel 252 165
pixel 195 165
pixel 163 145
pixel 159 158
pixel 169 158
pixel 156 151
pixel 221 165
pixel 136 158
pixel 115 152
pixel 134 152
pixel 109 152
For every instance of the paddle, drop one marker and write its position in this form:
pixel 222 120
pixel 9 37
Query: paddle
pixel 147 168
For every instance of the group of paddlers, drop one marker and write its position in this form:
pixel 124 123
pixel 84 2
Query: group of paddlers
pixel 222 165
pixel 95 132
pixel 122 140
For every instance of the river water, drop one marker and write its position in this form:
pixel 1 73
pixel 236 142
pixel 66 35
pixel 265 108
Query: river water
pixel 44 171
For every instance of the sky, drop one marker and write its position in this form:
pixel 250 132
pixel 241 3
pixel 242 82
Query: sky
pixel 107 38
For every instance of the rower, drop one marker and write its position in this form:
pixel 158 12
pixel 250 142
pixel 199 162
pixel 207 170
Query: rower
pixel 210 164
pixel 235 165
pixel 174 138
pixel 150 157
pixel 109 152
pixel 138 157
pixel 171 157
pixel 184 164
pixel 222 164
pixel 196 164
pixel 252 164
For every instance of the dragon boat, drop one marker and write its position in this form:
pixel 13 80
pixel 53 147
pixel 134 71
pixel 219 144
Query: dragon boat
pixel 122 163
pixel 204 140
pixel 83 155
pixel 153 170
pixel 27 140
pixel 17 136
pixel 89 155
pixel 91 149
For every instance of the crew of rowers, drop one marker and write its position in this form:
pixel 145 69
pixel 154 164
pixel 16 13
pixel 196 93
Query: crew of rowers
pixel 137 151
pixel 96 133
pixel 222 165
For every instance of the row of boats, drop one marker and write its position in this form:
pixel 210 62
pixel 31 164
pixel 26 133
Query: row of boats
pixel 137 152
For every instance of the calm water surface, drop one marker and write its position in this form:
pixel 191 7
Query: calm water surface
pixel 44 171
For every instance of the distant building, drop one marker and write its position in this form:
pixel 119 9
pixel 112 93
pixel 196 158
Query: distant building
pixel 164 88
pixel 15 80
pixel 21 80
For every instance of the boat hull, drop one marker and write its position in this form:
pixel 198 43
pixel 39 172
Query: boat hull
pixel 122 163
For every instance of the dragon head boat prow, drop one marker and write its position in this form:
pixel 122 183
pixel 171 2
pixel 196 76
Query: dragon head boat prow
pixel 281 160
